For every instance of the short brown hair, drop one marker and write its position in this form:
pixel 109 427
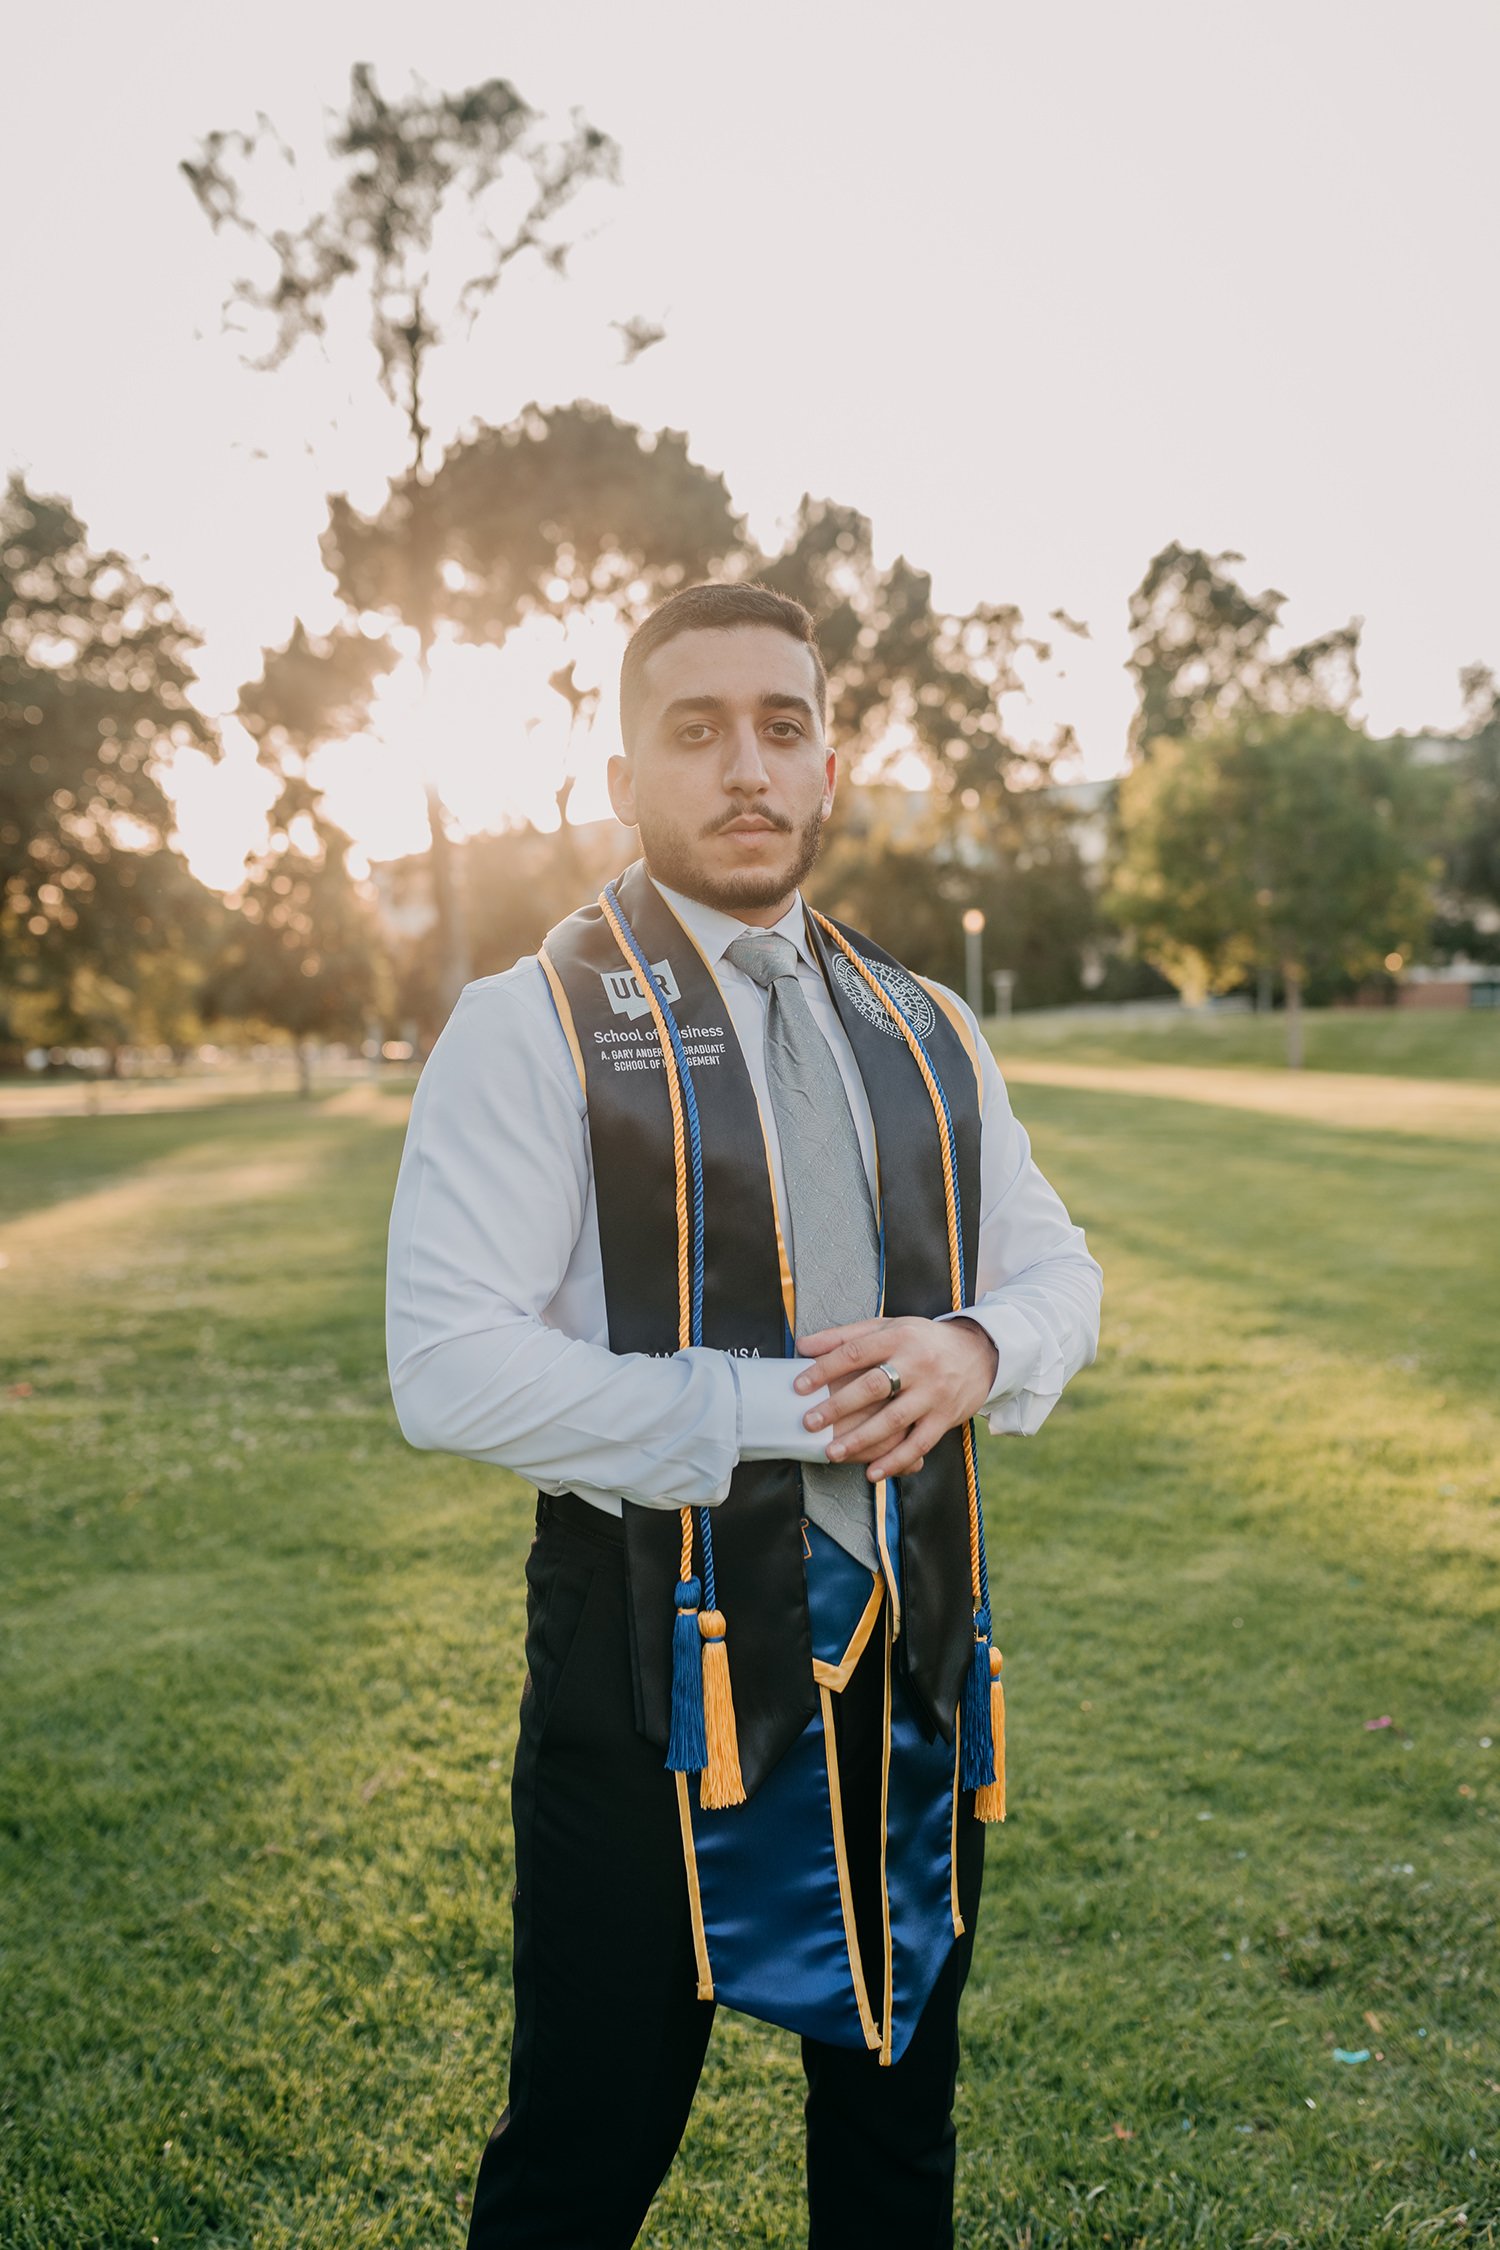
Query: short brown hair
pixel 711 608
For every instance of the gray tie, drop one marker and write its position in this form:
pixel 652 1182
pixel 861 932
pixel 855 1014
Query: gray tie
pixel 834 1248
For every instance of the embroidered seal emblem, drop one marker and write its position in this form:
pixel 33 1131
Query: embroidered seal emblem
pixel 902 987
pixel 624 991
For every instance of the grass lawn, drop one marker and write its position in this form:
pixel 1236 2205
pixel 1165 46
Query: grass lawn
pixel 260 1666
pixel 1403 1042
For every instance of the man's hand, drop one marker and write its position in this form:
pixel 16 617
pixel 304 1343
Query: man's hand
pixel 947 1370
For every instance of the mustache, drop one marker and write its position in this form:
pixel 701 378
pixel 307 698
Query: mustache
pixel 774 820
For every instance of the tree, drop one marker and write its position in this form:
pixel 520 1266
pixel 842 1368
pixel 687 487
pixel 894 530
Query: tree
pixel 556 513
pixel 402 168
pixel 896 663
pixel 1471 884
pixel 302 951
pixel 1290 843
pixel 312 691
pixel 1201 655
pixel 903 871
pixel 140 987
pixel 903 673
pixel 95 672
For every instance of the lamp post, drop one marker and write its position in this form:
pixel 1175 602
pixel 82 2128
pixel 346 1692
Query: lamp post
pixel 973 962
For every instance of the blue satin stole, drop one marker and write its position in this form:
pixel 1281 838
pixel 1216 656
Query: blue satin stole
pixel 772 1875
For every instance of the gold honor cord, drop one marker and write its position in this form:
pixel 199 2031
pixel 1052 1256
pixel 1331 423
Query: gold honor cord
pixel 989 1797
pixel 715 1731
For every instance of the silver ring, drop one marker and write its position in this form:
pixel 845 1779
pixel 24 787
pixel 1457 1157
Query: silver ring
pixel 893 1379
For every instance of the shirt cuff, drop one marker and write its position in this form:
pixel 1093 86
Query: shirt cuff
pixel 770 1411
pixel 1025 1359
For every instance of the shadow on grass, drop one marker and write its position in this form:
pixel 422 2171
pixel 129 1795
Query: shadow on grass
pixel 1387 1249
pixel 45 1161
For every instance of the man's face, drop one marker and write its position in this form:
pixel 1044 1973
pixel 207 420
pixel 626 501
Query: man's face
pixel 729 779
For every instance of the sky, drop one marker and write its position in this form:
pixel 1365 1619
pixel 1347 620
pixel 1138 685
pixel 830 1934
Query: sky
pixel 1037 288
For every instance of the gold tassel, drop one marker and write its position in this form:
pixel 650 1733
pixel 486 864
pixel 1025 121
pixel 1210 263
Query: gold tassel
pixel 989 1802
pixel 722 1783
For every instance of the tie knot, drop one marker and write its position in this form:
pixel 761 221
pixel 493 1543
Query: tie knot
pixel 763 956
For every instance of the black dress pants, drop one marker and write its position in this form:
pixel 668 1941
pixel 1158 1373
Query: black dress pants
pixel 609 2035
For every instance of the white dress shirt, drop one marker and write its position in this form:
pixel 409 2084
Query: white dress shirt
pixel 496 1325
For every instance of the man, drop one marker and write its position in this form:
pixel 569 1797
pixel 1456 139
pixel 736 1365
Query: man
pixel 761 1703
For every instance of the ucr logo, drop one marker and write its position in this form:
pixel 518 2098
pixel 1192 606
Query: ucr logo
pixel 626 993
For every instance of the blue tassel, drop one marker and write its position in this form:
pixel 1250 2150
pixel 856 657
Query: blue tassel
pixel 687 1745
pixel 977 1762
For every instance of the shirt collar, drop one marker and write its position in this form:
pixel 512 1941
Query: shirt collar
pixel 715 931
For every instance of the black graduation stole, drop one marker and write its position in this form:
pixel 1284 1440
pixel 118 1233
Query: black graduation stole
pixel 687 1219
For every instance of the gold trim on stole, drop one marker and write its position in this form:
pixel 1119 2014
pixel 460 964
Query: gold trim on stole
pixel 867 2022
pixel 965 1037
pixel 885 1558
pixel 887 2027
pixel 836 1676
pixel 565 1017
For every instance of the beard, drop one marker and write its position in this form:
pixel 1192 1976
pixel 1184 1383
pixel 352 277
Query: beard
pixel 673 857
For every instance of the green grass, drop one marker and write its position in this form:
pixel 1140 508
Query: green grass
pixel 1404 1042
pixel 260 1666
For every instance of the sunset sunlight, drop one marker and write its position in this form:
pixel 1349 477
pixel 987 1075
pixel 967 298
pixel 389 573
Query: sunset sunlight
pixel 485 728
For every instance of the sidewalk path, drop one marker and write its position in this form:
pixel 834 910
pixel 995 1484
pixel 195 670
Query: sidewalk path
pixel 138 1097
pixel 1452 1108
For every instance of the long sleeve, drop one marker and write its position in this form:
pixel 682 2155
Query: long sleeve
pixel 1037 1288
pixel 492 1197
